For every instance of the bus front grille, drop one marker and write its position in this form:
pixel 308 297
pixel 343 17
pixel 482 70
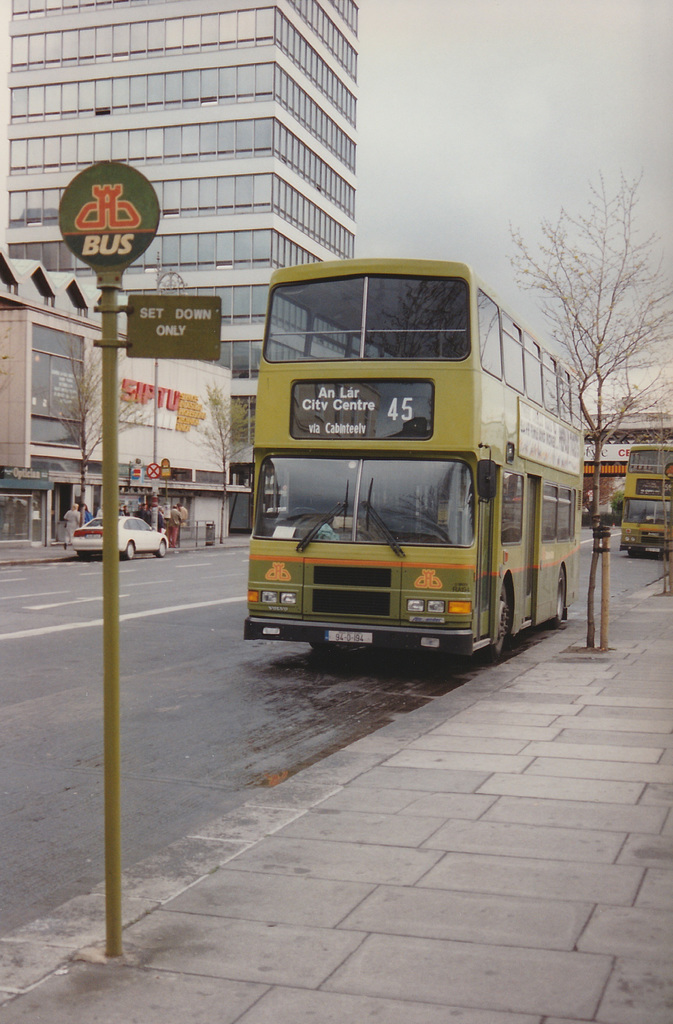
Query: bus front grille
pixel 351 602
pixel 351 576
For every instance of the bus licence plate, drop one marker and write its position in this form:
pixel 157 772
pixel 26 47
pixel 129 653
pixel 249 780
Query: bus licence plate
pixel 347 636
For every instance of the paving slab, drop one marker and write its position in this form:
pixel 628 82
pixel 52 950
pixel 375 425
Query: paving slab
pixel 527 876
pixel 345 861
pixel 471 744
pixel 24 963
pixel 608 817
pixel 631 932
pixel 255 951
pixel 512 840
pixel 632 701
pixel 661 740
pixel 648 851
pixel 465 728
pixel 116 994
pixel 585 769
pixel 464 974
pixel 282 1006
pixel 460 762
pixel 615 723
pixel 470 917
pixel 550 787
pixel 284 899
pixel 451 805
pixel 360 827
pixel 432 780
pixel 593 752
pixel 638 993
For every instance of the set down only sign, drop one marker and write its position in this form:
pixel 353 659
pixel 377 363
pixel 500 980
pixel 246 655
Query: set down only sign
pixel 174 326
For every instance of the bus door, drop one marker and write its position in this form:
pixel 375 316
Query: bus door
pixel 532 501
pixel 484 569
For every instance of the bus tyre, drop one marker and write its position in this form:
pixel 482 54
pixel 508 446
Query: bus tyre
pixel 560 601
pixel 505 616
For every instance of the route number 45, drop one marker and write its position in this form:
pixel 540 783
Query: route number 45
pixel 405 411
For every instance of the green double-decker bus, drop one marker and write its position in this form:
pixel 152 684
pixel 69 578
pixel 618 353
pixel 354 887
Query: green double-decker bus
pixel 646 517
pixel 417 463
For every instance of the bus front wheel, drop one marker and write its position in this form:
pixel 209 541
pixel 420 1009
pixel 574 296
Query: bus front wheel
pixel 505 617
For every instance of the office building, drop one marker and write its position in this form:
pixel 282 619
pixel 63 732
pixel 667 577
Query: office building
pixel 242 114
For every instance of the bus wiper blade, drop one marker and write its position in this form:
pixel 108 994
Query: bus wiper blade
pixel 307 538
pixel 383 527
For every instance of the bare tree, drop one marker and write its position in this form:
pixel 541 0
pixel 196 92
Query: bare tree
pixel 225 434
pixel 608 305
pixel 80 403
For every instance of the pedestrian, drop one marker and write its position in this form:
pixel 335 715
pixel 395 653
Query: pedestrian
pixel 161 522
pixel 174 521
pixel 86 516
pixel 145 513
pixel 72 521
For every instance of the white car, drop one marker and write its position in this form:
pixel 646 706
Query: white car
pixel 135 537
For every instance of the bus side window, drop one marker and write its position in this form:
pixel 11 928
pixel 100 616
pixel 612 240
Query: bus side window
pixel 489 335
pixel 549 512
pixel 550 384
pixel 512 353
pixel 512 508
pixel 531 358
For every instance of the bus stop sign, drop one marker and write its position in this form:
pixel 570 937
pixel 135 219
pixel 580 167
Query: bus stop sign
pixel 174 326
pixel 108 216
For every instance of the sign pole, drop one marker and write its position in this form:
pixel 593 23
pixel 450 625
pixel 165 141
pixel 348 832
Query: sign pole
pixel 109 285
pixel 108 216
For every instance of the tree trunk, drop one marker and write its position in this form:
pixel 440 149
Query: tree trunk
pixel 223 510
pixel 595 523
pixel 591 623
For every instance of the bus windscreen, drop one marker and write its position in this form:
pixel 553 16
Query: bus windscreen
pixel 372 317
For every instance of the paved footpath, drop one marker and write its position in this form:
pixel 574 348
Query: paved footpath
pixel 500 856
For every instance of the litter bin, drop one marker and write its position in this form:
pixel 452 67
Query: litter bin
pixel 210 534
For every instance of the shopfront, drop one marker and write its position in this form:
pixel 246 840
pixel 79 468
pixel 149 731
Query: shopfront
pixel 24 505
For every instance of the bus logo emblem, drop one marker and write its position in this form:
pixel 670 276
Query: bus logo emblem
pixel 278 572
pixel 107 211
pixel 428 580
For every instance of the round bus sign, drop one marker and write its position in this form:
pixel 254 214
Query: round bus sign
pixel 109 215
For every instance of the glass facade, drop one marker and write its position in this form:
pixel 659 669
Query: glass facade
pixel 262 98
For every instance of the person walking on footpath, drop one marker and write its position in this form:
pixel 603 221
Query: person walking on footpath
pixel 174 521
pixel 85 515
pixel 72 520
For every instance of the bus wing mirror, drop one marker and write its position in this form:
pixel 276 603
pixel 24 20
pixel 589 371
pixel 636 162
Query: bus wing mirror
pixel 486 479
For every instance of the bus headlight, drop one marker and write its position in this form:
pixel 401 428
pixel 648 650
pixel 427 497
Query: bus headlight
pixel 288 598
pixel 269 597
pixel 438 607
pixel 414 604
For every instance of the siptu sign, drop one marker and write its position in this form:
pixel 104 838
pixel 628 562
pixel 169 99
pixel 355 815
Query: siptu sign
pixel 174 327
pixel 108 216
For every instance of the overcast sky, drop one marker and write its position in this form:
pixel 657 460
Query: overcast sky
pixel 475 115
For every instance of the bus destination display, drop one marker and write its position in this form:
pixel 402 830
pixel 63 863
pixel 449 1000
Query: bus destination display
pixel 362 409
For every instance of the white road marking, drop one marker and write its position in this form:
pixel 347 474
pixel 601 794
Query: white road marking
pixel 62 604
pixel 151 583
pixel 43 593
pixel 44 630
